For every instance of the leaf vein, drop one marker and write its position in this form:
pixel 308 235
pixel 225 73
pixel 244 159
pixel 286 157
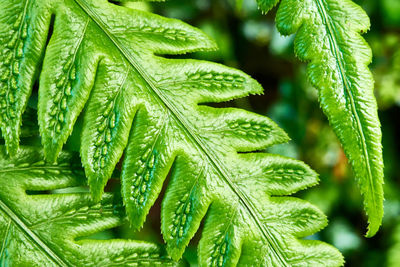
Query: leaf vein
pixel 191 133
pixel 339 60
pixel 29 233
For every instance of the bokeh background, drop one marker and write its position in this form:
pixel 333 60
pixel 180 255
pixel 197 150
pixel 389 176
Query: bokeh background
pixel 249 41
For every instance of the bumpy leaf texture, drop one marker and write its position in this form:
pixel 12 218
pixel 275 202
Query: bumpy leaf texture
pixel 109 59
pixel 328 36
pixel 42 227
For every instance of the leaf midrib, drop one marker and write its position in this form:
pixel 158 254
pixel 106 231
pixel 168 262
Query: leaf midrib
pixel 24 169
pixel 336 51
pixel 31 235
pixel 5 239
pixel 214 161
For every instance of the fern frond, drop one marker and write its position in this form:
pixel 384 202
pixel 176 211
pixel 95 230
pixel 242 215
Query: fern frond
pixel 52 229
pixel 328 36
pixel 109 59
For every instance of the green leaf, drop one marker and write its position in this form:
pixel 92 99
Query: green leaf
pixel 42 226
pixel 266 5
pixel 110 59
pixel 328 37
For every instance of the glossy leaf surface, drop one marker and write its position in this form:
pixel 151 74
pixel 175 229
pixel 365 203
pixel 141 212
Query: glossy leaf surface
pixel 329 38
pixel 110 59
pixel 41 226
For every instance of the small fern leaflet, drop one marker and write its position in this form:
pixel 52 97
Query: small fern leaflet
pixel 328 36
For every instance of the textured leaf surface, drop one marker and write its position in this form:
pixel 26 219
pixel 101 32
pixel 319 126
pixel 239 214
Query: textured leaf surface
pixel 266 5
pixel 109 59
pixel 328 36
pixel 38 228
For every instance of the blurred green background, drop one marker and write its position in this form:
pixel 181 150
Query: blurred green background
pixel 249 41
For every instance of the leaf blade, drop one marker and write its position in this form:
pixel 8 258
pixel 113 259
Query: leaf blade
pixel 329 38
pixel 185 141
pixel 49 225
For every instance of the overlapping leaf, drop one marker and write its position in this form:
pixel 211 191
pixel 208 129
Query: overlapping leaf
pixel 109 59
pixel 40 229
pixel 328 36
